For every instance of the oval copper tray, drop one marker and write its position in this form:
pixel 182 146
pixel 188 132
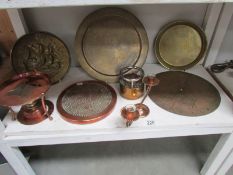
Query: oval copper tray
pixel 43 52
pixel 86 102
pixel 185 94
pixel 180 45
pixel 109 39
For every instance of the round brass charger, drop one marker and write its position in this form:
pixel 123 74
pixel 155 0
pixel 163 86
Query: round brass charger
pixel 180 45
pixel 108 40
pixel 185 94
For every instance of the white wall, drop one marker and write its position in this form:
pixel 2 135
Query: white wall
pixel 64 21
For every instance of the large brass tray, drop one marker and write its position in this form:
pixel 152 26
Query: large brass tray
pixel 43 52
pixel 180 45
pixel 109 39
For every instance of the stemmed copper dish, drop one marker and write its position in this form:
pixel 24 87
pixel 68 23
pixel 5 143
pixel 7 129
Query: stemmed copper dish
pixel 133 112
pixel 27 89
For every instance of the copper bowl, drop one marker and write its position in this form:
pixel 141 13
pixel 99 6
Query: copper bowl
pixel 142 109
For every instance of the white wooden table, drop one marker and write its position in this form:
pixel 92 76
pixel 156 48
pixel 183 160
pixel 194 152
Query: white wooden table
pixel 112 128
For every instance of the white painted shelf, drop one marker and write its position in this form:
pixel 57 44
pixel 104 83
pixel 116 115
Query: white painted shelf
pixel 166 124
pixel 6 4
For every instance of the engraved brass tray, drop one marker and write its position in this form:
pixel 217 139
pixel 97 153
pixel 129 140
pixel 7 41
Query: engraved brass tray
pixel 180 45
pixel 43 52
pixel 185 94
pixel 108 40
pixel 86 102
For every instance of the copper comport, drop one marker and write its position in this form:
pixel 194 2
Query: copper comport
pixel 27 89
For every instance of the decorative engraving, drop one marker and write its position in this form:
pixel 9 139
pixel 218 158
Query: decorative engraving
pixel 42 57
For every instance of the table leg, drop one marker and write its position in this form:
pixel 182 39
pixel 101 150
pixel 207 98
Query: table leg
pixel 220 152
pixel 16 160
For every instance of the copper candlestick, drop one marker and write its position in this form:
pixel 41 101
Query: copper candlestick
pixel 150 81
pixel 133 112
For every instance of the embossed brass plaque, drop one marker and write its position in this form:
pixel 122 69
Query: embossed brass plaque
pixel 108 40
pixel 43 52
pixel 180 45
pixel 185 94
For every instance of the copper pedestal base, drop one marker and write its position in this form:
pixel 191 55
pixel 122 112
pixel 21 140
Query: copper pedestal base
pixel 34 113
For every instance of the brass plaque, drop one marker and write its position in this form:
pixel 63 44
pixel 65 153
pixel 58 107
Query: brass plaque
pixel 185 94
pixel 108 40
pixel 180 45
pixel 43 52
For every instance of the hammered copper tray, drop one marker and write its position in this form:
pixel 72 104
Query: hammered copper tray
pixel 180 45
pixel 86 102
pixel 185 94
pixel 43 52
pixel 109 39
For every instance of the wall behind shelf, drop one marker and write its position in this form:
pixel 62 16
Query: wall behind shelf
pixel 64 21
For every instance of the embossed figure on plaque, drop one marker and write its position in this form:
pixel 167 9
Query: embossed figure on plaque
pixel 42 52
pixel 42 57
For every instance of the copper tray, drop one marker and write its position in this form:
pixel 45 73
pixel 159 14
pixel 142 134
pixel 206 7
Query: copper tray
pixel 109 39
pixel 43 52
pixel 185 94
pixel 180 45
pixel 86 102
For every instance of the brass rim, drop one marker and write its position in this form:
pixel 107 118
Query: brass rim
pixel 128 18
pixel 163 61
